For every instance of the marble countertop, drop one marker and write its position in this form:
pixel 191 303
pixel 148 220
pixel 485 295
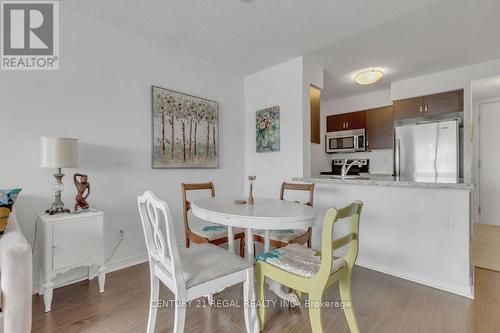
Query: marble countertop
pixel 388 180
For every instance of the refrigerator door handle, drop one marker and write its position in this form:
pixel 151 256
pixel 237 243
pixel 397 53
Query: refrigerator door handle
pixel 397 165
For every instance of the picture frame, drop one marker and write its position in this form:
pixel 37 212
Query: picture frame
pixel 185 130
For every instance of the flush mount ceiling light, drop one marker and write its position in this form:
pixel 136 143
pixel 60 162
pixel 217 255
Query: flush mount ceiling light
pixel 368 76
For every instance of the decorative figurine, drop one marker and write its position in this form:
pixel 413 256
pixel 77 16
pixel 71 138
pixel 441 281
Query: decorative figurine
pixel 82 185
pixel 250 200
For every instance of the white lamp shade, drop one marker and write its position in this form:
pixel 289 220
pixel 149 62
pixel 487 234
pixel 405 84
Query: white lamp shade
pixel 58 152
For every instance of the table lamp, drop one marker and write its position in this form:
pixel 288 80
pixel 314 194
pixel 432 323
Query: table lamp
pixel 58 153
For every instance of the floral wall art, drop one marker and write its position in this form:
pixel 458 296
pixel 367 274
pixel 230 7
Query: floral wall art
pixel 185 130
pixel 268 130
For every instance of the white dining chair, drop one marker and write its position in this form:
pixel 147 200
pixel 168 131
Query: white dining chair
pixel 189 273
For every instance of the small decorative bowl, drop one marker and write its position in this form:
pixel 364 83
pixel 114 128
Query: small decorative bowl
pixel 240 202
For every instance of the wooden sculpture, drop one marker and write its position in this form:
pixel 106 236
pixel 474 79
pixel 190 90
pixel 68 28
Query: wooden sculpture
pixel 82 186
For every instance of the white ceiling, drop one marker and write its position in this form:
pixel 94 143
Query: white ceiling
pixel 246 36
pixel 406 38
pixel 444 35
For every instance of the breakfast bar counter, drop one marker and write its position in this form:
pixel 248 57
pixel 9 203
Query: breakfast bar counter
pixel 418 231
pixel 388 180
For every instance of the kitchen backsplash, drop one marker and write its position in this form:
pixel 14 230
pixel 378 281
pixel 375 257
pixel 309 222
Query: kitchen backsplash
pixel 381 160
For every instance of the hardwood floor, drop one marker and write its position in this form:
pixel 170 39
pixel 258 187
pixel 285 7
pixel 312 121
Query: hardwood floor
pixel 485 249
pixel 383 304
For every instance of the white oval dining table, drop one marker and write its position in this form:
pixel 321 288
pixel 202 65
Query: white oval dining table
pixel 265 214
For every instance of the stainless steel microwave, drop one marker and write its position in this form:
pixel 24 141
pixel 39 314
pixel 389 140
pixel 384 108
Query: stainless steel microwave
pixel 346 141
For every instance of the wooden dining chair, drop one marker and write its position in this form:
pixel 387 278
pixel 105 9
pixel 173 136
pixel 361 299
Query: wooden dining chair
pixel 209 233
pixel 307 271
pixel 188 273
pixel 280 238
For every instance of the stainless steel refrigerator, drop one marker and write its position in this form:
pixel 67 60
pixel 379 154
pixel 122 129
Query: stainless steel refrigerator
pixel 428 152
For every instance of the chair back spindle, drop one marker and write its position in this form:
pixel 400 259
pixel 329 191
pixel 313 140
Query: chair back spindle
pixel 186 205
pixel 162 248
pixel 352 214
pixel 298 187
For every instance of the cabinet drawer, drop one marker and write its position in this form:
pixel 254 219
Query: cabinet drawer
pixel 75 243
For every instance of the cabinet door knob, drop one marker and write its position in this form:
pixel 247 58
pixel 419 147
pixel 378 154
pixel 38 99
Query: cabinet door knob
pixel 426 109
pixel 421 109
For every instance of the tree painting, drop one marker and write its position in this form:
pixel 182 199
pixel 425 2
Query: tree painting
pixel 267 130
pixel 185 130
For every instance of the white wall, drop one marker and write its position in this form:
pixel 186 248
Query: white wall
pixel 380 160
pixel 102 96
pixel 371 100
pixel 419 234
pixel 313 75
pixel 281 86
pixel 285 85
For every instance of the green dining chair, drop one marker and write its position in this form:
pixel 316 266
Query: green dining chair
pixel 312 272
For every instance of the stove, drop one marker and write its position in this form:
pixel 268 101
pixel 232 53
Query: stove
pixel 355 170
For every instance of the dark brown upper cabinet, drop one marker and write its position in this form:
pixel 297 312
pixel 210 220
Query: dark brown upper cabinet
pixel 409 108
pixel 448 102
pixel 444 103
pixel 345 121
pixel 380 128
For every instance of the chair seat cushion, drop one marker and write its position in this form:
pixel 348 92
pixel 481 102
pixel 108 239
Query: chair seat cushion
pixel 213 231
pixel 299 260
pixel 205 262
pixel 282 235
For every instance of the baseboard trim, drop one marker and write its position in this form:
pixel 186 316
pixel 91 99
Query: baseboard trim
pixel 122 263
pixel 465 291
pixel 126 262
pixel 73 277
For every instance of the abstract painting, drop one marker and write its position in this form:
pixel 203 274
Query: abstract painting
pixel 185 130
pixel 268 130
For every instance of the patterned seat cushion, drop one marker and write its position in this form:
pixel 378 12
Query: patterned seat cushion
pixel 299 260
pixel 213 231
pixel 205 262
pixel 282 235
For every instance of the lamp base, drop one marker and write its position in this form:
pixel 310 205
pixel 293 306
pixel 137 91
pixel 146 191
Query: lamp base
pixel 57 206
pixel 57 210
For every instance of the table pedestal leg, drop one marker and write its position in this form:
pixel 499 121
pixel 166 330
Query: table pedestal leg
pixel 249 243
pixel 267 241
pixel 274 286
pixel 230 239
pixel 249 256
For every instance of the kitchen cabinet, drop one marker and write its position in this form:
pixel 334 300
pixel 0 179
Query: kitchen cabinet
pixel 409 108
pixel 380 128
pixel 346 121
pixel 444 103
pixel 448 102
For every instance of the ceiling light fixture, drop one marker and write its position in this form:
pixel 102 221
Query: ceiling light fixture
pixel 368 76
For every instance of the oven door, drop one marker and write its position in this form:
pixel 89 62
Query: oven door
pixel 337 144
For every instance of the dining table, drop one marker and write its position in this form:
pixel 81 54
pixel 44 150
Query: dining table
pixel 265 214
